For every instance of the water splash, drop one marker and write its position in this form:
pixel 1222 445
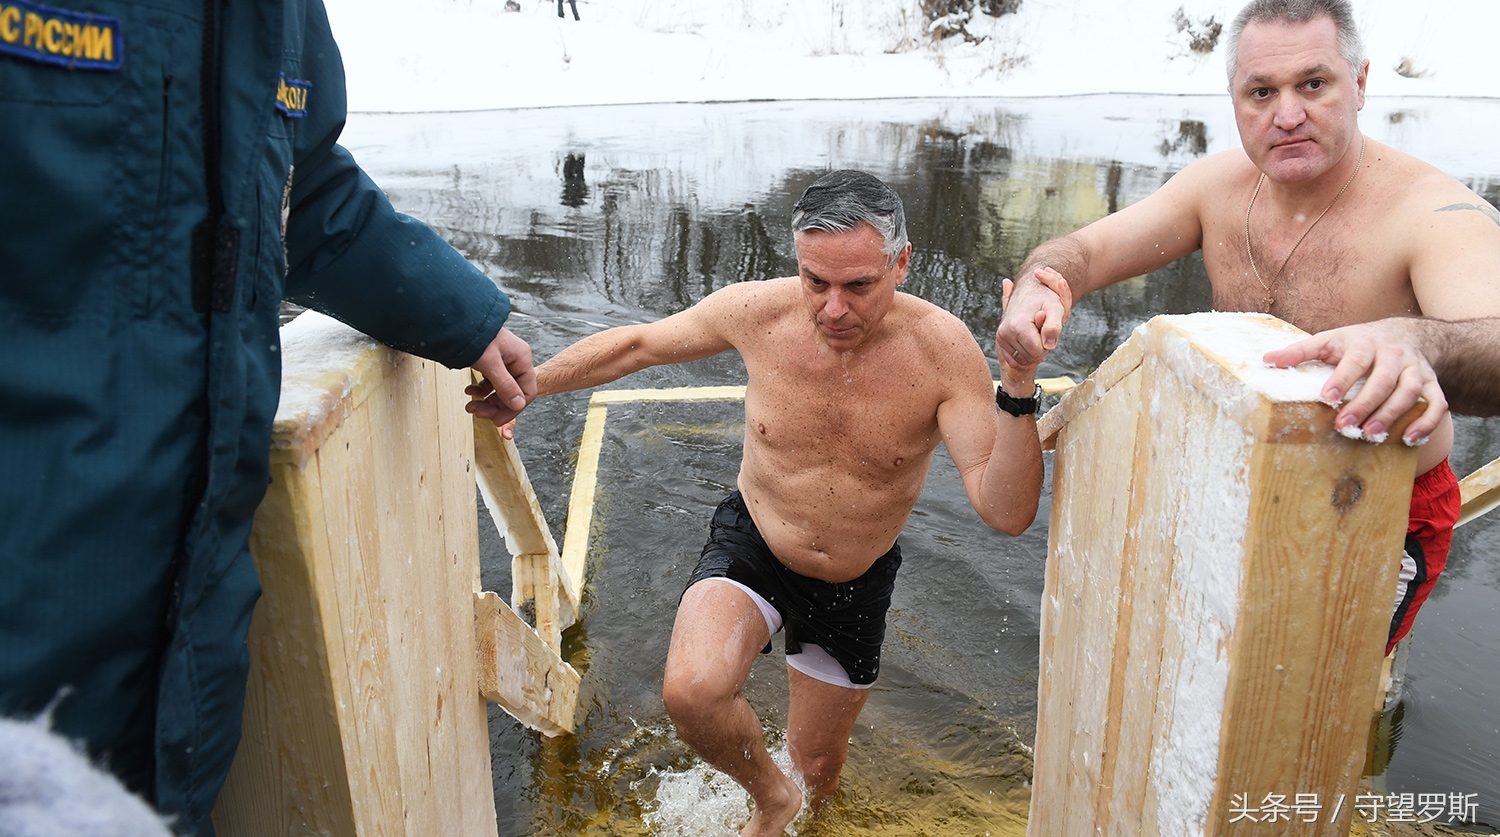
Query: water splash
pixel 699 801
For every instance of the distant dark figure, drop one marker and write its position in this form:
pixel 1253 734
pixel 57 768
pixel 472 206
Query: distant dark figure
pixel 572 4
pixel 575 190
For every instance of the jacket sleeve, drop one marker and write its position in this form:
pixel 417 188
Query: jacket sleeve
pixel 352 256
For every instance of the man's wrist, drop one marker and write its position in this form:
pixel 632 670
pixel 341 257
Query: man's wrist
pixel 1017 384
pixel 1018 405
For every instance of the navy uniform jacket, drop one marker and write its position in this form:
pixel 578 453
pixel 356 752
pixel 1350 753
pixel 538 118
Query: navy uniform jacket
pixel 134 420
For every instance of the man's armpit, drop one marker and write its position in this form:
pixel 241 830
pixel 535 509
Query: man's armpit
pixel 1483 208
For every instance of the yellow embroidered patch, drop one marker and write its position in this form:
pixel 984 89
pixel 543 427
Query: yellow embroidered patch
pixel 291 96
pixel 77 40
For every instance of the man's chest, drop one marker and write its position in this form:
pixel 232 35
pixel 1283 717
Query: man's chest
pixel 1331 274
pixel 871 413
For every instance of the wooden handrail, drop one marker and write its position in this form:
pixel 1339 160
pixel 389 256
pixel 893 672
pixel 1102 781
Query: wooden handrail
pixel 1480 491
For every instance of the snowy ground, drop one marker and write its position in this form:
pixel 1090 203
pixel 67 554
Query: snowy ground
pixel 436 55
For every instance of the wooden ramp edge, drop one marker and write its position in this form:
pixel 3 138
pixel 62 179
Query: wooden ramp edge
pixel 540 585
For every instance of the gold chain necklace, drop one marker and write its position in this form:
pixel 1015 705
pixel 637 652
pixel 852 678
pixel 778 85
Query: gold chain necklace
pixel 1271 288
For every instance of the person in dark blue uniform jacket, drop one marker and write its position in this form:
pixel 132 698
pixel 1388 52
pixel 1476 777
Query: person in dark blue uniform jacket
pixel 168 174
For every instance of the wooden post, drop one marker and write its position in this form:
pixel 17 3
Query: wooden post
pixel 1220 578
pixel 363 712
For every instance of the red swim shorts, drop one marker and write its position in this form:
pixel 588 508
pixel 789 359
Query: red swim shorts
pixel 1435 503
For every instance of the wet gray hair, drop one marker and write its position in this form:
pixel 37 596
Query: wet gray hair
pixel 1299 11
pixel 842 200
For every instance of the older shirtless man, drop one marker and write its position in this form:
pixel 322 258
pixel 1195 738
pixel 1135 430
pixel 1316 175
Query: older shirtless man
pixel 1313 222
pixel 852 385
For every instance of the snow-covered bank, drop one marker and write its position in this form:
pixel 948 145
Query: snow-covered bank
pixel 439 55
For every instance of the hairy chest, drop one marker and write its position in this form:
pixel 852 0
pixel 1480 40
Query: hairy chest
pixel 1343 269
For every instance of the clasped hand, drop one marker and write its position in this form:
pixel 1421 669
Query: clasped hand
pixel 1033 316
pixel 508 385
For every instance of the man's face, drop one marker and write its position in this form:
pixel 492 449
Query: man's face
pixel 1296 99
pixel 847 283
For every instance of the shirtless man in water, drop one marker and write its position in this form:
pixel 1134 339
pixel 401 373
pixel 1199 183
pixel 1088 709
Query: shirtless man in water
pixel 851 387
pixel 1317 224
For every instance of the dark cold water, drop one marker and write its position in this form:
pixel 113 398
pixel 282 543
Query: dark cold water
pixel 594 217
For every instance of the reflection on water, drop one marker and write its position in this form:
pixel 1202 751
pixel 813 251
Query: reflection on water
pixel 602 216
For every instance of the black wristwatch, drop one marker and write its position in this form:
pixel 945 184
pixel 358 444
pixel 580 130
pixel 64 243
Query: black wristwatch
pixel 1018 406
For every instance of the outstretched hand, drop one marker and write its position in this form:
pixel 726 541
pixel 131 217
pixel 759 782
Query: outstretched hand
pixel 1388 355
pixel 1033 317
pixel 509 382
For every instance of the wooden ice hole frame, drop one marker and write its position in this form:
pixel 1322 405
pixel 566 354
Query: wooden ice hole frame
pixel 373 648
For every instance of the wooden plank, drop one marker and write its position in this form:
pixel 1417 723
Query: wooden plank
pixel 289 775
pixel 384 568
pixel 535 595
pixel 1091 493
pixel 1143 584
pixel 1189 535
pixel 360 655
pixel 518 671
pixel 1053 386
pixel 1326 526
pixel 328 370
pixel 455 714
pixel 412 719
pixel 502 475
pixel 405 493
pixel 1480 491
pixel 1120 363
pixel 469 772
pixel 585 486
pixel 540 584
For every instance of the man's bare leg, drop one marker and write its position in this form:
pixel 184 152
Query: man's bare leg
pixel 718 633
pixel 819 721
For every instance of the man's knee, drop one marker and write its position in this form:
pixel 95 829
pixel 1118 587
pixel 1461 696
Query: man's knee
pixel 820 765
pixel 691 697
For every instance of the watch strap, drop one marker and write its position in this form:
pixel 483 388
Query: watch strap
pixel 1018 406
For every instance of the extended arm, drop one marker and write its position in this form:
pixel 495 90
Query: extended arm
pixel 351 255
pixel 1456 277
pixel 698 332
pixel 998 456
pixel 1466 357
pixel 1135 240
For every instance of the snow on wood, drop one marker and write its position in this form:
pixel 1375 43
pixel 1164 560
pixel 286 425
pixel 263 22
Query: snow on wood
pixel 1219 583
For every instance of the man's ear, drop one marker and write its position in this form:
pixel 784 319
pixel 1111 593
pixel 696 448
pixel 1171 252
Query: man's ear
pixel 1359 85
pixel 903 261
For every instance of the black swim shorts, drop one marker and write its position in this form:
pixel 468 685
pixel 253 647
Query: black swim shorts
pixel 846 619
